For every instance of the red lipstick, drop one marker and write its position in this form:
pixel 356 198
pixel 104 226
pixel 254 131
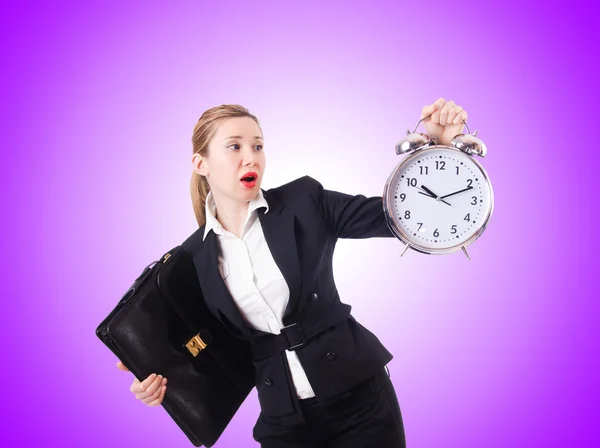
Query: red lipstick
pixel 249 179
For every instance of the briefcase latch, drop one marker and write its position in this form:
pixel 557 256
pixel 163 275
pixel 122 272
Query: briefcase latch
pixel 195 345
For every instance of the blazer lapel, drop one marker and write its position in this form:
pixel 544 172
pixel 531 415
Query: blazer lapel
pixel 217 296
pixel 280 235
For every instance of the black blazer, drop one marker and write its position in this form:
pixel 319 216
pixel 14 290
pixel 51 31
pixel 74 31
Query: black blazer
pixel 301 228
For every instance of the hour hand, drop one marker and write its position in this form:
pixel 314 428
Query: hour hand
pixel 431 194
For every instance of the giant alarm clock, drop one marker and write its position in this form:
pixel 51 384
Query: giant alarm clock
pixel 439 198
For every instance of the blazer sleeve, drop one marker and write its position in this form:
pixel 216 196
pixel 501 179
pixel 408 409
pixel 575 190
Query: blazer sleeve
pixel 350 216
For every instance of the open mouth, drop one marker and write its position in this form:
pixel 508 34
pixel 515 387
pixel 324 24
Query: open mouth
pixel 249 179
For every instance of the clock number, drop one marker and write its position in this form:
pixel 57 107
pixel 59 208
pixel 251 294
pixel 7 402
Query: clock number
pixel 412 181
pixel 436 233
pixel 420 225
pixel 457 170
pixel 453 229
pixel 468 217
pixel 469 181
pixel 426 170
pixel 440 163
pixel 474 200
pixel 407 214
pixel 403 197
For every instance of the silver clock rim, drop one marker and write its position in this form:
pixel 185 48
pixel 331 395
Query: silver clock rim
pixel 406 239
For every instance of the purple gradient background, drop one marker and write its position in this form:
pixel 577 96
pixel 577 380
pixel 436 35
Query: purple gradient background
pixel 98 106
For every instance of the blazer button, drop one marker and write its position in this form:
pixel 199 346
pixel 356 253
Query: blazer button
pixel 268 381
pixel 314 296
pixel 331 356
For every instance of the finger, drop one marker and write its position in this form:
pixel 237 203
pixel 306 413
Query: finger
pixel 135 386
pixel 452 113
pixel 141 386
pixel 435 117
pixel 160 398
pixel 460 117
pixel 151 389
pixel 151 396
pixel 439 103
pixel 444 112
pixel 427 110
pixel 156 400
pixel 121 366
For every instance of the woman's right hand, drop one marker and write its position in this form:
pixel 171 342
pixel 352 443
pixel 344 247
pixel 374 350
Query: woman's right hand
pixel 150 391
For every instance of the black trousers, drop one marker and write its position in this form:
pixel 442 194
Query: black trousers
pixel 366 416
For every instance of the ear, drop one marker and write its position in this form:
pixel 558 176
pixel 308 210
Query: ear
pixel 199 164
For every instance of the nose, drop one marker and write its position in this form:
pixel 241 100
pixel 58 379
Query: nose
pixel 249 157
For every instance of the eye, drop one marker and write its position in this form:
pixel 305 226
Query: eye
pixel 237 146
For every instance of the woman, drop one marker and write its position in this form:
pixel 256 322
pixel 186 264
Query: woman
pixel 321 377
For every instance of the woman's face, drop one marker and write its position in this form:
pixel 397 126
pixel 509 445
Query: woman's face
pixel 235 152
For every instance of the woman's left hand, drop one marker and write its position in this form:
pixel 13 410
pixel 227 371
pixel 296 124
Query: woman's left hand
pixel 446 121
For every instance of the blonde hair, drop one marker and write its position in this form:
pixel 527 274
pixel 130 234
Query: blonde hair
pixel 204 130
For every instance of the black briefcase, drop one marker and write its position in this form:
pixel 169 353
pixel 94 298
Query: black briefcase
pixel 162 325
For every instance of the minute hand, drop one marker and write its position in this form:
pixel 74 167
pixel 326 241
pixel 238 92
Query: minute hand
pixel 456 192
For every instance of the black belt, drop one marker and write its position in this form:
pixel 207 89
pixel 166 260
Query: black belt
pixel 295 336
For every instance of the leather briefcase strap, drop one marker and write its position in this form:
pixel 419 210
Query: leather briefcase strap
pixel 295 336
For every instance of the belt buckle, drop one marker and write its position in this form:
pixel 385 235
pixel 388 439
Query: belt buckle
pixel 299 333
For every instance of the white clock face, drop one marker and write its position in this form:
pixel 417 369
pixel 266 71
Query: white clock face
pixel 439 198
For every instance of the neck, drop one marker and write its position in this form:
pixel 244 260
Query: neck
pixel 231 214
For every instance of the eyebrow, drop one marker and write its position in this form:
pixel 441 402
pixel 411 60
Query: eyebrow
pixel 239 136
